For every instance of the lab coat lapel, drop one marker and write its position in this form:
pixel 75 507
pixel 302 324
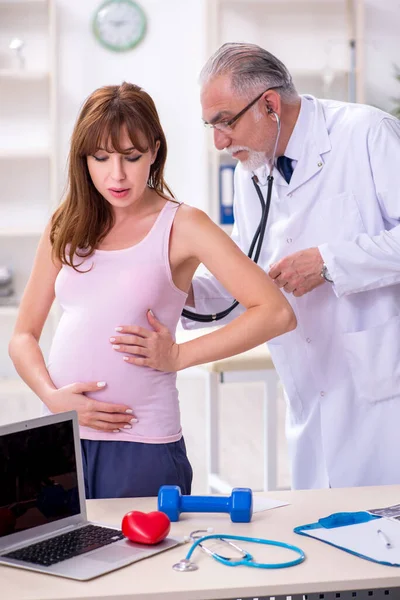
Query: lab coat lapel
pixel 317 143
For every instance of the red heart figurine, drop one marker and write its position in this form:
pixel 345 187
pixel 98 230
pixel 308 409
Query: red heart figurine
pixel 145 528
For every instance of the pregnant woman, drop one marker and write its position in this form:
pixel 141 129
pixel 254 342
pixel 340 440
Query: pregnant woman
pixel 120 251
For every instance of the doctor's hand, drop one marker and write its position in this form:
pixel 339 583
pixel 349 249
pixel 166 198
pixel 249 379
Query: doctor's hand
pixel 299 273
pixel 146 348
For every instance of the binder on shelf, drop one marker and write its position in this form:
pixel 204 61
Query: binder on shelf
pixel 7 296
pixel 226 194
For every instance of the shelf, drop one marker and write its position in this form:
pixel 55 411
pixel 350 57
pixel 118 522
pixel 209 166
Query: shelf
pixel 13 232
pixel 28 151
pixel 12 311
pixel 13 153
pixel 8 311
pixel 23 75
pixel 320 73
pixel 280 3
pixel 311 37
pixel 10 386
pixel 22 2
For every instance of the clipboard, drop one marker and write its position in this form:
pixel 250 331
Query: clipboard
pixel 357 534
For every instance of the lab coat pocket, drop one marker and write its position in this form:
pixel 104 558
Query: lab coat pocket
pixel 374 359
pixel 335 226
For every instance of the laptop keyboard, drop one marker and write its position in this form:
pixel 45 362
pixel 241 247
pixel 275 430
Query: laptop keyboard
pixel 67 545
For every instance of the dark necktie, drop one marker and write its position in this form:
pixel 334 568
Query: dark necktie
pixel 285 167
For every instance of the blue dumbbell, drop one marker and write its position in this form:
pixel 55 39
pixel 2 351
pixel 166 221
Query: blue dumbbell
pixel 239 504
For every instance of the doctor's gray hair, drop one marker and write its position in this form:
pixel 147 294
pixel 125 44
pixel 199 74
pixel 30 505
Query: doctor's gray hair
pixel 251 69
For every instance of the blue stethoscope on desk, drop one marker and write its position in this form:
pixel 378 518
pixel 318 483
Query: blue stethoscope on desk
pixel 246 559
pixel 258 237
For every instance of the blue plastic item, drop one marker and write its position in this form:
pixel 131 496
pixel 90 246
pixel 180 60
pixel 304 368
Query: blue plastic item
pixel 239 504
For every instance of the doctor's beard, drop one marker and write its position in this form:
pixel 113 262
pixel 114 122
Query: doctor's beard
pixel 255 159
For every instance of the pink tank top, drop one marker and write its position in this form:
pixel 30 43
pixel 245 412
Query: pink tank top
pixel 119 289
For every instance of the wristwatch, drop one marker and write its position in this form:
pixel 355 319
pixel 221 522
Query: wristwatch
pixel 325 274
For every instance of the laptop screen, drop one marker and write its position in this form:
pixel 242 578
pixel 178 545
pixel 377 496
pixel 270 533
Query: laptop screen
pixel 38 477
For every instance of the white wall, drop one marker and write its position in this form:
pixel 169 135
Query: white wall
pixel 166 63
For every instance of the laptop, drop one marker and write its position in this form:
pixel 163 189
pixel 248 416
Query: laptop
pixel 43 523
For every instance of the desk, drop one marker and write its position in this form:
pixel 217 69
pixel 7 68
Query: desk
pixel 254 365
pixel 326 570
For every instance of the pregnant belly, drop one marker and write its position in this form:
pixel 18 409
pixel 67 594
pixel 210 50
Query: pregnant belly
pixel 86 358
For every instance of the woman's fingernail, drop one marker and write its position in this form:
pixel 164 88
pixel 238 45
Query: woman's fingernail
pixel 112 339
pixel 101 384
pixel 116 347
pixel 118 328
pixel 151 312
pixel 115 430
pixel 127 426
pixel 134 420
pixel 129 411
pixel 126 358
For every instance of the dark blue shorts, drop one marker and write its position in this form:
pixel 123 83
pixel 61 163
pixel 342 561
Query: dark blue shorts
pixel 133 469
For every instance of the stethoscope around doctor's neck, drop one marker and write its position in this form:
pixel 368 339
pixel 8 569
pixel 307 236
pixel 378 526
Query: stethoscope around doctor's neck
pixel 258 238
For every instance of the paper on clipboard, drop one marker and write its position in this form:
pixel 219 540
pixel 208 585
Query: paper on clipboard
pixel 363 539
pixel 360 538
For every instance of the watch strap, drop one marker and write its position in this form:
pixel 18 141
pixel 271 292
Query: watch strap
pixel 325 274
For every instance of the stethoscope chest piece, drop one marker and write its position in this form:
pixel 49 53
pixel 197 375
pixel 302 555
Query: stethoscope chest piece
pixel 185 565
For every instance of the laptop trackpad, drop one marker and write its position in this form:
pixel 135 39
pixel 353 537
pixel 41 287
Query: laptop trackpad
pixel 113 554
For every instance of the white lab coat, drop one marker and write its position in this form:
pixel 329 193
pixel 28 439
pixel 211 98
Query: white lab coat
pixel 341 366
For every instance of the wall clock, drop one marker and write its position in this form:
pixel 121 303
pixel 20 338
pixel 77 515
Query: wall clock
pixel 119 25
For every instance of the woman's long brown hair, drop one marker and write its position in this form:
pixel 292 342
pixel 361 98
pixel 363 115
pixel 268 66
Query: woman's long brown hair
pixel 84 218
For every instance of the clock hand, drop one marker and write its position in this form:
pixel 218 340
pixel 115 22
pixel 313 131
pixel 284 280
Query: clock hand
pixel 118 23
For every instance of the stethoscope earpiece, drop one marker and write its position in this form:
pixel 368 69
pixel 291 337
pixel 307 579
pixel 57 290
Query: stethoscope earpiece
pixel 272 112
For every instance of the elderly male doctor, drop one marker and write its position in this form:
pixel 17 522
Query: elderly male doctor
pixel 332 243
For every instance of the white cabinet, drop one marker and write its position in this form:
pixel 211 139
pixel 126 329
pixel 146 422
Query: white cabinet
pixel 320 41
pixel 28 191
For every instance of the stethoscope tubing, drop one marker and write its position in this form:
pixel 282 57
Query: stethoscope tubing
pixel 247 559
pixel 258 239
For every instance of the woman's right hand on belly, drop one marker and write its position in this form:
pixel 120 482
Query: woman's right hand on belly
pixel 102 416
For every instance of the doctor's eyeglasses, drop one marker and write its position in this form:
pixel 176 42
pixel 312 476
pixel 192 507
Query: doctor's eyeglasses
pixel 227 126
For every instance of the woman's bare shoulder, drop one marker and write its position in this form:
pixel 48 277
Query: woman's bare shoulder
pixel 190 216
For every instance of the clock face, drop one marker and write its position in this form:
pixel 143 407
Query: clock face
pixel 119 24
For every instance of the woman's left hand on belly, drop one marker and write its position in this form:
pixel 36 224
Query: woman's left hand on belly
pixel 145 348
